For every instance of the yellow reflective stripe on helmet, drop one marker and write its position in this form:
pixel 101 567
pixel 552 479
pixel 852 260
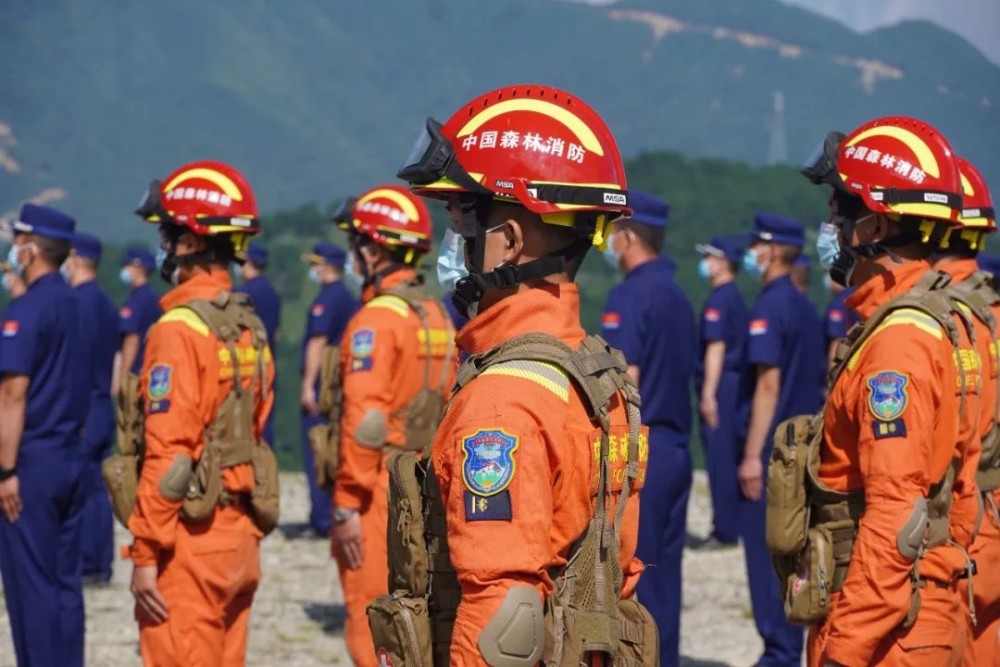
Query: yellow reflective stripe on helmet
pixel 185 316
pixel 543 374
pixel 911 316
pixel 224 183
pixel 390 302
pixel 559 113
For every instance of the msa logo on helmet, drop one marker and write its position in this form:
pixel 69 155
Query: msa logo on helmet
pixel 615 198
pixel 506 185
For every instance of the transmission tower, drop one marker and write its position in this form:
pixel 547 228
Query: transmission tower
pixel 777 150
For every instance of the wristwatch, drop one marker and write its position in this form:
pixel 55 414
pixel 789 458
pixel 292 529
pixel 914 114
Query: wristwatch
pixel 342 514
pixel 7 473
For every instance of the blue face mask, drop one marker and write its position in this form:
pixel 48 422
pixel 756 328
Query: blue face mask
pixel 15 264
pixel 703 271
pixel 451 261
pixel 314 274
pixel 611 256
pixel 352 277
pixel 65 272
pixel 827 244
pixel 751 265
pixel 124 276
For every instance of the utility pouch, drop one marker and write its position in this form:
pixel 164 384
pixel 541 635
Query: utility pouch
pixel 808 587
pixel 205 489
pixel 423 414
pixel 408 554
pixel 265 504
pixel 129 415
pixel 401 630
pixel 571 633
pixel 640 638
pixel 325 449
pixel 121 476
pixel 787 498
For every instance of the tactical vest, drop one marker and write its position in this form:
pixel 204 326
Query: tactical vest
pixel 584 616
pixel 229 441
pixel 811 528
pixel 977 294
pixel 422 413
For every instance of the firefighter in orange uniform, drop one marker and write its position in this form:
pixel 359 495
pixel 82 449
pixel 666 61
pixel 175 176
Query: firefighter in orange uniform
pixel 532 177
pixel 194 579
pixel 400 342
pixel 892 427
pixel 975 290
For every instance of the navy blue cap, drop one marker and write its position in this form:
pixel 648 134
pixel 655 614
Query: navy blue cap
pixel 326 253
pixel 141 256
pixel 728 248
pixel 648 209
pixel 775 229
pixel 989 263
pixel 87 246
pixel 44 221
pixel 803 260
pixel 257 254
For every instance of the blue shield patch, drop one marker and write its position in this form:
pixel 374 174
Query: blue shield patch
pixel 489 465
pixel 363 343
pixel 159 381
pixel 887 395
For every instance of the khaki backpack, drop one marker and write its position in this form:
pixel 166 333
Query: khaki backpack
pixel 229 441
pixel 584 615
pixel 810 527
pixel 422 413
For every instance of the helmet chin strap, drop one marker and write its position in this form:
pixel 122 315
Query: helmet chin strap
pixel 846 260
pixel 470 289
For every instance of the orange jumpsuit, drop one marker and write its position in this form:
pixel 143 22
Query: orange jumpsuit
pixel 892 428
pixel 208 572
pixel 520 535
pixel 382 364
pixel 984 648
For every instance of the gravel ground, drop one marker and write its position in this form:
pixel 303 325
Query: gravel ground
pixel 298 615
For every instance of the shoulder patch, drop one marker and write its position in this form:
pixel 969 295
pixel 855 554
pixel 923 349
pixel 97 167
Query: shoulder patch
pixel 362 347
pixel 158 388
pixel 712 315
pixel 612 321
pixel 488 465
pixel 894 429
pixel 493 508
pixel 10 328
pixel 758 327
pixel 836 315
pixel 887 397
pixel 125 312
pixel 317 309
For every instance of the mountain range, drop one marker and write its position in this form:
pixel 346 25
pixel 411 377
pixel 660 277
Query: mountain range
pixel 315 99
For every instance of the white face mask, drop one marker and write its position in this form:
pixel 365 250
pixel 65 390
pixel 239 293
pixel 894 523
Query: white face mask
pixel 12 257
pixel 7 282
pixel 451 261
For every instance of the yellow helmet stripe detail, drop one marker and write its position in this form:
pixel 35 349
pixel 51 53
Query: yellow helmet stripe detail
pixel 928 163
pixel 398 198
pixel 579 129
pixel 222 181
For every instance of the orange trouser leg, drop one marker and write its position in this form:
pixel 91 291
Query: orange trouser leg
pixel 984 649
pixel 937 639
pixel 366 583
pixel 208 582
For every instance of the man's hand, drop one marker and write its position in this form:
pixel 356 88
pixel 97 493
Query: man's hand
pixel 10 498
pixel 346 540
pixel 751 473
pixel 308 400
pixel 149 604
pixel 710 411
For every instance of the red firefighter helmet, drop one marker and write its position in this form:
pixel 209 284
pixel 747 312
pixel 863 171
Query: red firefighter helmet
pixel 977 205
pixel 207 197
pixel 389 215
pixel 540 147
pixel 903 166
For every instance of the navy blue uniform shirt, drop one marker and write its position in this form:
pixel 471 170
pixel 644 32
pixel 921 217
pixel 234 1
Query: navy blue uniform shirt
pixel 785 331
pixel 99 321
pixel 40 337
pixel 266 302
pixel 725 317
pixel 140 311
pixel 838 317
pixel 650 319
pixel 329 314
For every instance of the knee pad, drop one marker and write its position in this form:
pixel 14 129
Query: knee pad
pixel 372 430
pixel 910 538
pixel 174 482
pixel 515 636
